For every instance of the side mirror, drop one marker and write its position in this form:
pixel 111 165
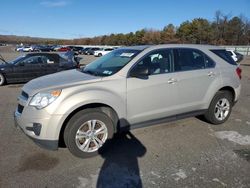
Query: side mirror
pixel 140 72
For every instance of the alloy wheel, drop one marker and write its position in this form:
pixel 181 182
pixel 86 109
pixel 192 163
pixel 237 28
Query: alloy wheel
pixel 222 109
pixel 91 135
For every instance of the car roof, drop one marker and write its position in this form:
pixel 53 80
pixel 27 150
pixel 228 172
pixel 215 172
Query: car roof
pixel 141 47
pixel 198 46
pixel 40 53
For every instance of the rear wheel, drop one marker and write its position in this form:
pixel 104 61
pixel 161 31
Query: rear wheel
pixel 220 108
pixel 2 79
pixel 87 131
pixel 99 55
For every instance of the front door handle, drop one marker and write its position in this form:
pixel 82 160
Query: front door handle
pixel 172 81
pixel 211 74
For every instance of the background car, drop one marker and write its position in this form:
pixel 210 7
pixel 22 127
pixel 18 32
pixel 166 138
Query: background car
pixel 102 52
pixel 76 49
pixel 56 47
pixel 84 50
pixel 237 57
pixel 64 49
pixel 42 48
pixel 91 51
pixel 27 49
pixel 19 48
pixel 34 65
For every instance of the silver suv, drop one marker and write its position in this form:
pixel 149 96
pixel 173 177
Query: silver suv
pixel 130 87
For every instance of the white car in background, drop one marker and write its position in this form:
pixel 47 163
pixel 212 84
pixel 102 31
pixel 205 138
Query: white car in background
pixel 102 52
pixel 19 48
pixel 233 55
pixel 24 49
pixel 27 49
pixel 237 57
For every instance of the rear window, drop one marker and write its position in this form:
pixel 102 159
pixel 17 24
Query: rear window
pixel 225 55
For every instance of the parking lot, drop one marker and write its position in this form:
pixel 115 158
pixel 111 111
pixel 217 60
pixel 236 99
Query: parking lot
pixel 184 153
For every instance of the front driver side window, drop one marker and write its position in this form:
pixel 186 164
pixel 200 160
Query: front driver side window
pixel 157 62
pixel 32 60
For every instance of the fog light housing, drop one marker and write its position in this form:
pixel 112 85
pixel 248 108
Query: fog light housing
pixel 36 128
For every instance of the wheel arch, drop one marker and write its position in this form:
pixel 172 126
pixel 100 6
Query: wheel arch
pixel 230 89
pixel 108 110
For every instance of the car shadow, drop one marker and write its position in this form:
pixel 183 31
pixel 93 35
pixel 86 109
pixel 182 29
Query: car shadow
pixel 202 118
pixel 120 167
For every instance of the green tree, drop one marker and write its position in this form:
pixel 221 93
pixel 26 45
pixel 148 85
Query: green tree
pixel 201 31
pixel 168 35
pixel 184 32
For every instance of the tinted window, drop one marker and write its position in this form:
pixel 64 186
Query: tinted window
pixel 35 60
pixel 17 60
pixel 191 59
pixel 49 59
pixel 225 55
pixel 209 63
pixel 157 62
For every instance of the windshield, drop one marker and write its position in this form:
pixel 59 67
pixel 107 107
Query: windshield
pixel 17 60
pixel 111 63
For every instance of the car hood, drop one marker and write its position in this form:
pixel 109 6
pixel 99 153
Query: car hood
pixel 59 80
pixel 3 65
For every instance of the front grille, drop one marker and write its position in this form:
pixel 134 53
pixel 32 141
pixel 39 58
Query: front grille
pixel 19 108
pixel 25 95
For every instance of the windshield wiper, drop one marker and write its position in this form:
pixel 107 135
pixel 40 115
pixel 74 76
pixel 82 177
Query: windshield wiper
pixel 91 72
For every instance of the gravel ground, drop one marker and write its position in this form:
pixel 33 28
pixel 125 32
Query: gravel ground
pixel 184 153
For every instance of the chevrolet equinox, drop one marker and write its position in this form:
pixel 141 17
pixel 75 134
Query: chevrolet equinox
pixel 129 87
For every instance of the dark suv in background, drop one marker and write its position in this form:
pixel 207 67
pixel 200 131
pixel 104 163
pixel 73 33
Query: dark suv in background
pixel 91 51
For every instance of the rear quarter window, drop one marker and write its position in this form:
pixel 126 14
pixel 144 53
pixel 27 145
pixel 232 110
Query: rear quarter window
pixel 224 55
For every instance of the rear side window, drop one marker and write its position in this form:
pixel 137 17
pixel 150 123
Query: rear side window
pixel 191 59
pixel 225 55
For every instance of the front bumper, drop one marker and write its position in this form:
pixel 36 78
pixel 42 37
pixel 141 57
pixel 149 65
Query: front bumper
pixel 40 136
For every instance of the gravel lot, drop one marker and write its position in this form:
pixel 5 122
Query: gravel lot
pixel 185 153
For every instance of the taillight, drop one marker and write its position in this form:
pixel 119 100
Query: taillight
pixel 239 71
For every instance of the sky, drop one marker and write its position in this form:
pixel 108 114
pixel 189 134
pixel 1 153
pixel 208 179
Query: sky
pixel 68 19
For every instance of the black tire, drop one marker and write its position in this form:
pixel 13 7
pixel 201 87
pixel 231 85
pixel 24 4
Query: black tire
pixel 2 79
pixel 99 55
pixel 75 123
pixel 210 114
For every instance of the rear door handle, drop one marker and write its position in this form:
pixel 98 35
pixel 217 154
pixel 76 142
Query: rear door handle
pixel 172 81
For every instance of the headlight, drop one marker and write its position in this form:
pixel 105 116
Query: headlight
pixel 43 99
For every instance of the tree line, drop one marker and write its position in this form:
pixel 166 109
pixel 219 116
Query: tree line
pixel 223 30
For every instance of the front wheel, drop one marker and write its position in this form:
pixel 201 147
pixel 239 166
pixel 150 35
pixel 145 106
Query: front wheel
pixel 2 79
pixel 87 131
pixel 220 108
